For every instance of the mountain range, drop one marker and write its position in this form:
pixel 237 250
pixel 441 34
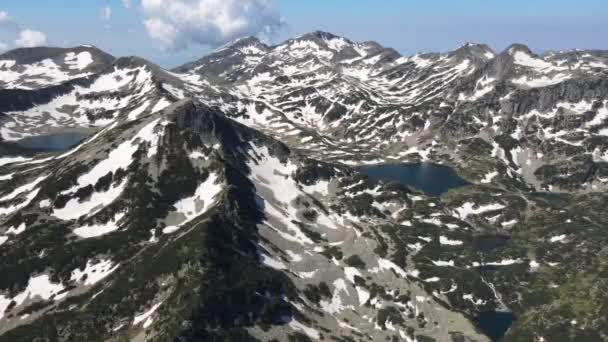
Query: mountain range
pixel 224 200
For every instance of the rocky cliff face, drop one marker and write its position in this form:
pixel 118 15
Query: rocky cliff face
pixel 216 201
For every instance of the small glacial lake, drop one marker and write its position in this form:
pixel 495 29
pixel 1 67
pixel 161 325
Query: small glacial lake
pixel 490 242
pixel 53 142
pixel 494 324
pixel 433 179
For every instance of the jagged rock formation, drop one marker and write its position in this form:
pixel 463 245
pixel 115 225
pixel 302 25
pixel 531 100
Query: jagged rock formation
pixel 215 202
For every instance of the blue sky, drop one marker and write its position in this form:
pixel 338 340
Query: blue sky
pixel 409 26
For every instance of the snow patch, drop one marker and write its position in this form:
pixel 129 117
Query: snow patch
pixel 94 272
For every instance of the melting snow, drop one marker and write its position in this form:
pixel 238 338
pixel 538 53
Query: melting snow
pixel 38 287
pixel 12 160
pixel 272 263
pixel 22 189
pixel 160 105
pixel 75 209
pixel 146 317
pixel 79 61
pixel 525 59
pixel 6 177
pixel 489 177
pixel 443 263
pixel 94 271
pixel 196 205
pixel 541 81
pixel 468 209
pixel 558 238
pixel 445 241
pixel 97 230
pixel 310 332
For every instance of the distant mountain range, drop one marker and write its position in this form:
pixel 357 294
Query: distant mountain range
pixel 222 200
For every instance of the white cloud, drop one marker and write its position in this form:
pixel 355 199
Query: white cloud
pixel 11 30
pixel 177 23
pixel 165 33
pixel 105 13
pixel 31 38
pixel 127 3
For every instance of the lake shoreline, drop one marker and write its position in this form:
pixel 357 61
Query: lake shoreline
pixel 430 178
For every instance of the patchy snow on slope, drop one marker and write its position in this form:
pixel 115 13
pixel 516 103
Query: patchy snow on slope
pixel 272 262
pixel 42 73
pixel 28 198
pixel 197 204
pixel 337 44
pixel 470 298
pixel 504 262
pixel 469 208
pixel 135 113
pixel 304 48
pixel 78 61
pixel 482 87
pixel 39 287
pixel 420 62
pixel 160 105
pixel 101 229
pixel 320 187
pixel 524 59
pixel 446 241
pixel 558 238
pixel 443 263
pixel 75 209
pixel 146 317
pixel 387 265
pixel 310 332
pixel 277 189
pixel 16 230
pixel 335 306
pixel 487 179
pixel 541 81
pixel 120 157
pixel 117 79
pixel 177 92
pixel 21 189
pixel 509 223
pixel 12 160
pixel 94 271
pixel 363 295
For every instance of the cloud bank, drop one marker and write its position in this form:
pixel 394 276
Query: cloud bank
pixel 30 38
pixel 176 24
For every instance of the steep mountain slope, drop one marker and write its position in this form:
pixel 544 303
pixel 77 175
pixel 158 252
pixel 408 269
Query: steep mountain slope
pixel 188 203
pixel 216 201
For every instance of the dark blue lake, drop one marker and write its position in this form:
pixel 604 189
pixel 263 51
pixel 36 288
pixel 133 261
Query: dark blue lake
pixel 433 179
pixel 52 142
pixel 494 324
